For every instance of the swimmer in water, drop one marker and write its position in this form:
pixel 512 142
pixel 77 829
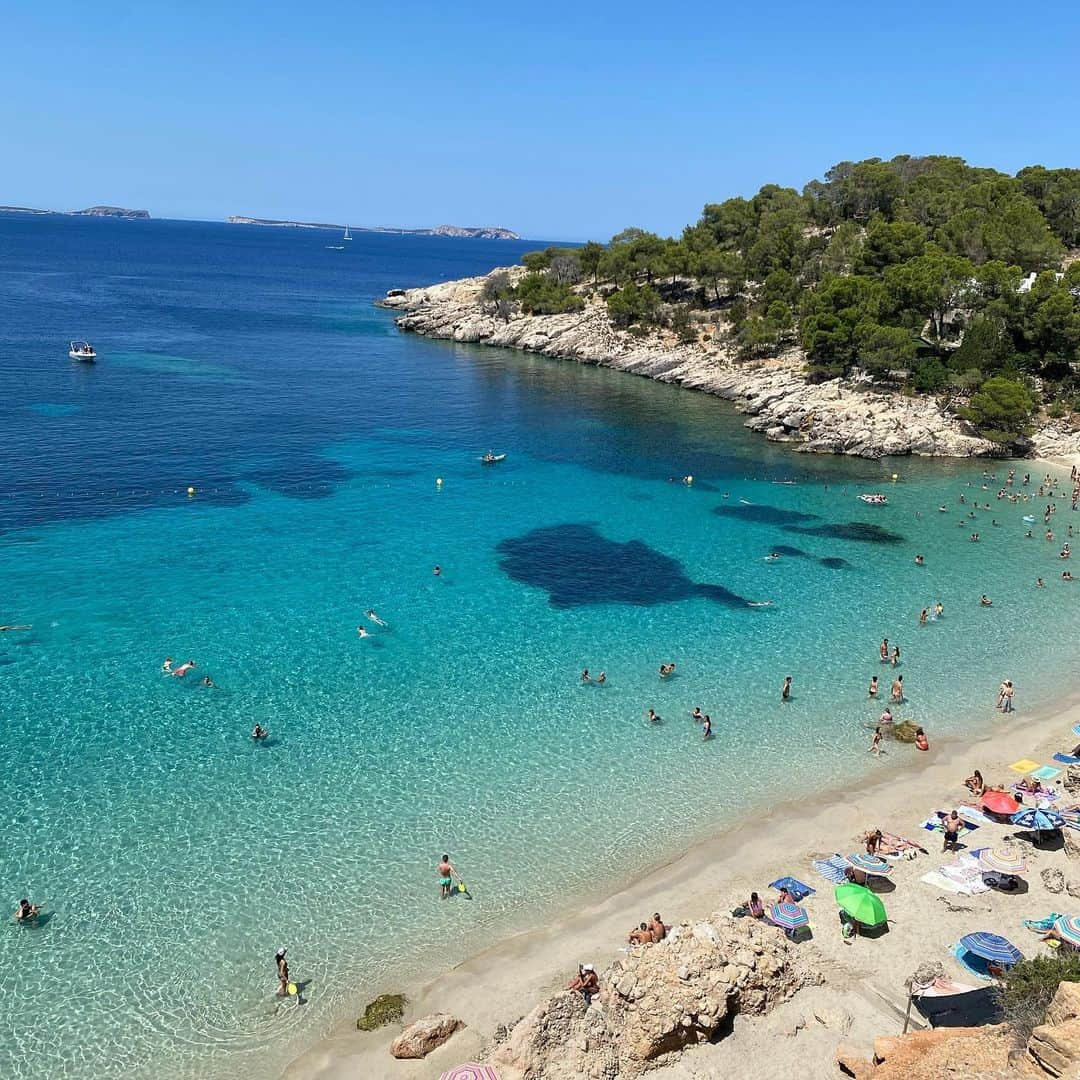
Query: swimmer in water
pixel 166 666
pixel 362 632
pixel 1039 583
pixel 666 670
pixel 1066 576
pixel 207 681
pixel 919 560
pixel 183 669
pixel 437 571
pixel 21 626
pixel 772 557
pixel 601 679
pixel 939 609
pixel 923 616
pixel 259 732
pixel 585 676
pixel 706 728
pixel 26 911
pixel 374 618
pixel 873 692
pixel 652 717
pixel 985 600
pixel 697 714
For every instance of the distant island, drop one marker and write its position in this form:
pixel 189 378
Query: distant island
pixel 472 232
pixel 90 211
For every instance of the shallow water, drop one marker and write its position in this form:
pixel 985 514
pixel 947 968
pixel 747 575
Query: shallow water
pixel 176 856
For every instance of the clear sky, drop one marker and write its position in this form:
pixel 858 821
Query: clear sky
pixel 559 120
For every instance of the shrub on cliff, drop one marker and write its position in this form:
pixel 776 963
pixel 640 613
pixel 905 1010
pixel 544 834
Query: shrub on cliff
pixel 1001 409
pixel 1031 985
pixel 540 294
pixel 633 304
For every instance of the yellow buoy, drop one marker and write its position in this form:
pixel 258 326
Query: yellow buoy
pixel 191 492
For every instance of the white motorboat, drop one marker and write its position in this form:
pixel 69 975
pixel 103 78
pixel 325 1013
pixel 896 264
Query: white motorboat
pixel 82 350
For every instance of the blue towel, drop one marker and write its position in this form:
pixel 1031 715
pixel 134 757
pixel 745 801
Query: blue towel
pixel 974 965
pixel 1066 759
pixel 832 869
pixel 796 889
pixel 1040 926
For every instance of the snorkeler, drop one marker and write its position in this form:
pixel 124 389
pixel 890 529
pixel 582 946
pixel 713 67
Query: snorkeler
pixel 374 618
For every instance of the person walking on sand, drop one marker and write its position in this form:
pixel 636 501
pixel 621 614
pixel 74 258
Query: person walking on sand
pixel 785 690
pixel 446 876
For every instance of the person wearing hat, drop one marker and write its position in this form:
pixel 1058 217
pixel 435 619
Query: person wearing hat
pixel 283 973
pixel 586 983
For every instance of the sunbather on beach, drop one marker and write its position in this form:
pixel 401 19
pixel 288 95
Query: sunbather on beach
pixel 641 935
pixel 755 906
pixel 657 927
pixel 585 982
pixel 873 841
pixel 975 783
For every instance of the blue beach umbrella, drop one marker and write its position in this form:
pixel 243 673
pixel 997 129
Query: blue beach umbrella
pixel 788 916
pixel 992 948
pixel 869 864
pixel 1033 818
pixel 1068 927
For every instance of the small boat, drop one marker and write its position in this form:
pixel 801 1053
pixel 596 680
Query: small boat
pixel 874 500
pixel 348 235
pixel 82 350
pixel 492 459
pixel 335 247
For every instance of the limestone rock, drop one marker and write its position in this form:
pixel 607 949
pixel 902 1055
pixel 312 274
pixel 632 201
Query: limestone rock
pixel 424 1035
pixel 852 1063
pixel 837 417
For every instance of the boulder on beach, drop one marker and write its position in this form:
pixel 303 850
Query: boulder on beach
pixel 424 1035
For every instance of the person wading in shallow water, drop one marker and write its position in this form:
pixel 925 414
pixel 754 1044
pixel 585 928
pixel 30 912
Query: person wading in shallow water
pixel 446 876
pixel 785 690
pixel 282 973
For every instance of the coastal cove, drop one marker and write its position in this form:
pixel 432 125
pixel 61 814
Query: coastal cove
pixel 250 365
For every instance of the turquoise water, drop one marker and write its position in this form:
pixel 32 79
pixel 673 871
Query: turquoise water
pixel 176 856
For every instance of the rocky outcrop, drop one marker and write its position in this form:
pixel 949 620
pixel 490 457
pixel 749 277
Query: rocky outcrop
pixel 1055 1045
pixel 1056 440
pixel 659 999
pixel 424 1035
pixel 971 1053
pixel 836 417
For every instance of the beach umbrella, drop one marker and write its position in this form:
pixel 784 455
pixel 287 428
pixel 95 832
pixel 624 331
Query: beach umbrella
pixel 788 916
pixel 471 1071
pixel 860 903
pixel 999 802
pixel 869 864
pixel 992 947
pixel 1032 818
pixel 1068 927
pixel 1002 860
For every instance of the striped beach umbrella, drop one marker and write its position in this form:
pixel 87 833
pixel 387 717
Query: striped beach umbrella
pixel 471 1070
pixel 788 916
pixel 1033 818
pixel 870 864
pixel 1002 860
pixel 992 947
pixel 1068 927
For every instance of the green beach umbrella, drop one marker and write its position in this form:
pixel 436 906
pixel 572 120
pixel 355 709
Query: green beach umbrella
pixel 861 904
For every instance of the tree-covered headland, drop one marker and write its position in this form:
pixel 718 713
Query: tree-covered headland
pixel 922 273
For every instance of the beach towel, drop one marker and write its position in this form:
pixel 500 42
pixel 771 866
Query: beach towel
pixel 1066 759
pixel 974 965
pixel 936 880
pixel 1040 926
pixel 934 823
pixel 1047 772
pixel 1024 766
pixel 973 815
pixel 967 877
pixel 796 889
pixel 900 844
pixel 831 869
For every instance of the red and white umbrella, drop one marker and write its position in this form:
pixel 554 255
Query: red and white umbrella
pixel 471 1070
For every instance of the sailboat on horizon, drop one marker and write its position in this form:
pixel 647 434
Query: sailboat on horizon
pixel 348 235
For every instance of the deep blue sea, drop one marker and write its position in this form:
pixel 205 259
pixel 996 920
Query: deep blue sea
pixel 175 855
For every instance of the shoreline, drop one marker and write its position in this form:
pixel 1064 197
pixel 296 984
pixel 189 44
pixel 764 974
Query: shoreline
pixel 507 979
pixel 837 416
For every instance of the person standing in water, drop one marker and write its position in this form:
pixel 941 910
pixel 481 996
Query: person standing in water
pixel 282 973
pixel 785 690
pixel 446 877
pixel 706 727
pixel 898 689
pixel 873 686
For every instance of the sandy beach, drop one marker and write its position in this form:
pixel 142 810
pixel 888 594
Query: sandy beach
pixel 863 986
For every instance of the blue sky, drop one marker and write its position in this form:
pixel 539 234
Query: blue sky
pixel 559 120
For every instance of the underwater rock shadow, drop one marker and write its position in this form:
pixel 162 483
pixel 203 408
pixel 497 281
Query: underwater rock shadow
pixel 764 515
pixel 576 566
pixel 861 531
pixel 830 561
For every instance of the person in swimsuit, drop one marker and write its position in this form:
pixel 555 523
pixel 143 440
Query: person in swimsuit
pixel 886 716
pixel 985 600
pixel 898 689
pixel 282 973
pixel 873 686
pixel 208 682
pixel 652 717
pixel 374 618
pixel 362 632
pixel 26 911
pixel 873 840
pixel 446 876
pixel 259 732
pixel 586 982
pixel 697 714
pixel 657 927
pixel 883 652
pixel 585 676
pixel 183 669
pixel 919 560
pixel 875 746
pixel 437 571
pixel 895 655
pixel 641 935
pixel 755 906
pixel 706 728
pixel 785 690
pixel 975 783
pixel 952 831
pixel 939 609
pixel 1039 583
pixel 921 741
pixel 924 615
pixel 601 679
pixel 166 666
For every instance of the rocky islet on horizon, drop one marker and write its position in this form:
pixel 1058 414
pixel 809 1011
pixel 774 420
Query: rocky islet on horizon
pixel 460 232
pixel 90 211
